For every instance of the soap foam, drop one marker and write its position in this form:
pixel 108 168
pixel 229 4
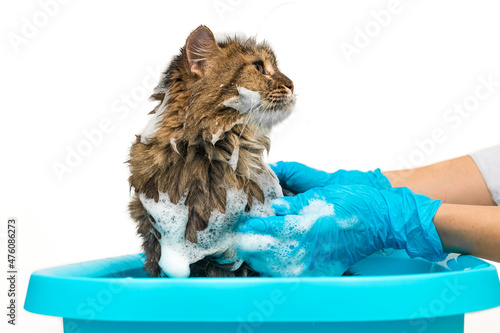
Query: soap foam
pixel 281 202
pixel 233 161
pixel 283 255
pixel 173 143
pixel 218 238
pixel 216 136
pixel 248 100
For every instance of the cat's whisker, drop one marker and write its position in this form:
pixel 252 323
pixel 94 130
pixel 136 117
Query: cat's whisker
pixel 244 125
pixel 253 109
pixel 264 113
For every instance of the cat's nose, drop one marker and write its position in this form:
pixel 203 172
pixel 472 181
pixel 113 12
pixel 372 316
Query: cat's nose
pixel 284 80
pixel 289 85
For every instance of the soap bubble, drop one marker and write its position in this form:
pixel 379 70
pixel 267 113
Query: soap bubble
pixel 217 239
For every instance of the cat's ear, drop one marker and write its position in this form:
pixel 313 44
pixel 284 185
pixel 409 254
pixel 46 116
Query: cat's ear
pixel 200 46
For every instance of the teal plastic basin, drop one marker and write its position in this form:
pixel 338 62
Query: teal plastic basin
pixel 392 293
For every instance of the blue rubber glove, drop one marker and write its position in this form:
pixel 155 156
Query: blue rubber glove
pixel 298 178
pixel 323 231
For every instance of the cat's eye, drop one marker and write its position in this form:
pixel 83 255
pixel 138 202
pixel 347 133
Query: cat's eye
pixel 259 65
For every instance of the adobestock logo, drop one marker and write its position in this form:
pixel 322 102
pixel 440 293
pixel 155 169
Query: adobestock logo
pixel 453 119
pixel 263 309
pixel 91 138
pixel 363 36
pixel 420 319
pixel 32 25
pixel 222 7
pixel 94 304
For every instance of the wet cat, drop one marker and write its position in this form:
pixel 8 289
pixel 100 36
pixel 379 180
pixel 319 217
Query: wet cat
pixel 198 166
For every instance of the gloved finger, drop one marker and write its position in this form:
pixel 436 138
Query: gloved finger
pixel 284 228
pixel 289 205
pixel 281 260
pixel 261 225
pixel 295 205
pixel 298 177
pixel 249 244
pixel 277 269
pixel 281 206
pixel 355 177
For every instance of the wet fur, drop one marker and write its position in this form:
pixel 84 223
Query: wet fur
pixel 181 157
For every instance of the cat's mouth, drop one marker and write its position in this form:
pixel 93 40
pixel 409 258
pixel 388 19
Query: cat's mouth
pixel 266 111
pixel 275 107
pixel 282 99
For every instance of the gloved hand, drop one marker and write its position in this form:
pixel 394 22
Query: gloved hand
pixel 324 231
pixel 298 178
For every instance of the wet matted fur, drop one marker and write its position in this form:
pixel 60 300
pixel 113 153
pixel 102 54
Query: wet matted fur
pixel 189 152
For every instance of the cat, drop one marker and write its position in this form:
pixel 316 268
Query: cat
pixel 198 166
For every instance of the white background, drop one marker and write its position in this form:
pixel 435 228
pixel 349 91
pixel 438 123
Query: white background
pixel 79 67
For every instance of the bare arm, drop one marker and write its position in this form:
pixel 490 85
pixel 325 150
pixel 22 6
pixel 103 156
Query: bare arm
pixel 463 222
pixel 456 181
pixel 469 229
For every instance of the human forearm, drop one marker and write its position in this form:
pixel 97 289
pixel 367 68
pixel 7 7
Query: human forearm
pixel 469 229
pixel 456 181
